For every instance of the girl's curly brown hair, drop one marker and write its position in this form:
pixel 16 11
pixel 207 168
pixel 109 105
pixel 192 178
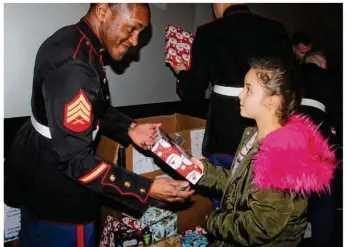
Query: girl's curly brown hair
pixel 282 79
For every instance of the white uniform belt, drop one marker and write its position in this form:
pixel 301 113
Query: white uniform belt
pixel 228 91
pixel 313 103
pixel 44 130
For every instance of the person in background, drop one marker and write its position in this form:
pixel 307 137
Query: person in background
pixel 302 43
pixel 318 92
pixel 219 59
pixel 318 103
pixel 278 165
pixel 52 173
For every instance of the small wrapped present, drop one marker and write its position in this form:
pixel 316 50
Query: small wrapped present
pixel 161 223
pixel 167 227
pixel 133 223
pixel 153 215
pixel 197 229
pixel 178 45
pixel 176 157
pixel 111 225
pixel 128 239
pixel 194 239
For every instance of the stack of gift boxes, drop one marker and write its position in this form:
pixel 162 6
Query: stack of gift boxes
pixel 154 225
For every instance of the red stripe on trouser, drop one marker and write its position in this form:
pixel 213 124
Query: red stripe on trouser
pixel 80 236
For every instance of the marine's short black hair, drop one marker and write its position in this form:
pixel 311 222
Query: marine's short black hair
pixel 92 5
pixel 301 38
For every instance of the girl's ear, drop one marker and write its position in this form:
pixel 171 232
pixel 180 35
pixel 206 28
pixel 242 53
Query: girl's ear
pixel 272 102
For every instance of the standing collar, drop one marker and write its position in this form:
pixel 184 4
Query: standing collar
pixel 236 9
pixel 86 28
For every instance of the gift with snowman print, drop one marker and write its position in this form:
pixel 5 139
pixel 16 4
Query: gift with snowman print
pixel 178 45
pixel 166 149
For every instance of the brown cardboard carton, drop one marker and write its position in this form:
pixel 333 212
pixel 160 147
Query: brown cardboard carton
pixel 107 149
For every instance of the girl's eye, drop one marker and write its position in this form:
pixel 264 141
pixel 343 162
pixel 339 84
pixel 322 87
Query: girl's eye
pixel 131 29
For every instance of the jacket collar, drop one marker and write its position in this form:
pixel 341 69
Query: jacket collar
pixel 237 8
pixel 247 135
pixel 87 29
pixel 295 157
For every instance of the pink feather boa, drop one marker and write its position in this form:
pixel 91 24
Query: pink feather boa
pixel 295 157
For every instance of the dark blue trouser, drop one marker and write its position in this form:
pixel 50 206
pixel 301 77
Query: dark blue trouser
pixel 35 233
pixel 321 215
pixel 224 161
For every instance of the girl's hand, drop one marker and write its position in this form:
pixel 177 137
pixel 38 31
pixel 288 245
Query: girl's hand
pixel 198 163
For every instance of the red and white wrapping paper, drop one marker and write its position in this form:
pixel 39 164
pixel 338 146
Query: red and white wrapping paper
pixel 197 229
pixel 176 157
pixel 133 223
pixel 178 45
pixel 111 225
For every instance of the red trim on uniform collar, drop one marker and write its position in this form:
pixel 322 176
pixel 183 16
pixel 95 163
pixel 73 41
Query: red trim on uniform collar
pixel 90 26
pixel 84 36
pixel 86 28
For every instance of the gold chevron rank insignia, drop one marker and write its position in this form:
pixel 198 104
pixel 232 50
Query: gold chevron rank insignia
pixel 78 113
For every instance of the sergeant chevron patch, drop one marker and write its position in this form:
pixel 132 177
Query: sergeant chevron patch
pixel 78 113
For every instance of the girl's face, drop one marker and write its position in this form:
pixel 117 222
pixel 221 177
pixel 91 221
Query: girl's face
pixel 253 100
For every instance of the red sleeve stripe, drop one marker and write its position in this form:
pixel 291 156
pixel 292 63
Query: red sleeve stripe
pixel 80 236
pixel 96 172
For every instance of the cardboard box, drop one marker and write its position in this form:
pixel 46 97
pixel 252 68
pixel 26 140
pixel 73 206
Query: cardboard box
pixel 107 149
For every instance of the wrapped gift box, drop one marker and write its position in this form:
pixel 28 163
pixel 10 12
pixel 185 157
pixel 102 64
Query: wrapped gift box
pixel 161 223
pixel 197 229
pixel 133 223
pixel 194 239
pixel 176 157
pixel 153 215
pixel 178 45
pixel 167 227
pixel 128 239
pixel 110 226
